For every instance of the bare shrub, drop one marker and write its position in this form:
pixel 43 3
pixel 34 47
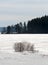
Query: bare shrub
pixel 23 46
pixel 32 48
pixel 28 47
pixel 19 47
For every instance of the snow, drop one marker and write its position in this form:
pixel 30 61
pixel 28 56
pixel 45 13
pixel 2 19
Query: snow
pixel 21 59
pixel 9 57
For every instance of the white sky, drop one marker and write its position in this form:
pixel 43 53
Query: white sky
pixel 13 11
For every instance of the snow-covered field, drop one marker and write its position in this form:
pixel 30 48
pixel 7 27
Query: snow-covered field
pixel 9 57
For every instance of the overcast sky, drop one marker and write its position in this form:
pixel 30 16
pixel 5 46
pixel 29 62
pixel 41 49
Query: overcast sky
pixel 14 11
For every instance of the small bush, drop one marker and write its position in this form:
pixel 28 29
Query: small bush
pixel 32 48
pixel 19 47
pixel 23 46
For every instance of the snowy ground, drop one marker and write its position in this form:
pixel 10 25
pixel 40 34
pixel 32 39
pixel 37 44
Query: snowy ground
pixel 22 59
pixel 9 57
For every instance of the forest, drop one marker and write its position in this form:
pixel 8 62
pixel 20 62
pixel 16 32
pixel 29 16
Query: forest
pixel 37 25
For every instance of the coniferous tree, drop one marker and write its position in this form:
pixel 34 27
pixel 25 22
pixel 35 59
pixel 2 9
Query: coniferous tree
pixel 8 29
pixel 21 27
pixel 25 28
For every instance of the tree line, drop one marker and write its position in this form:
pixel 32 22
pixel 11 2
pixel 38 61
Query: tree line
pixel 36 25
pixel 15 29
